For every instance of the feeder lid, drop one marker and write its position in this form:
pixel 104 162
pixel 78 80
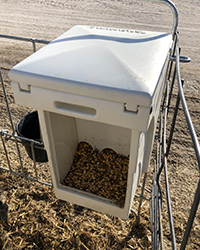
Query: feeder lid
pixel 105 63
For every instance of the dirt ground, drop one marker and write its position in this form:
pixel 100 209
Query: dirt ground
pixel 36 219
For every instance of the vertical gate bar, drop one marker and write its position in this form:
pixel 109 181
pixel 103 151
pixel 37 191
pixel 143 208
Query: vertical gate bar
pixel 166 176
pixel 34 44
pixel 156 200
pixel 6 99
pixel 20 159
pixel 154 212
pixel 169 208
pixel 196 148
pixel 164 100
pixel 172 54
pixel 160 223
pixel 186 112
pixel 154 219
pixel 172 86
pixel 34 162
pixel 161 166
pixel 11 121
pixel 170 66
pixel 158 181
pixel 5 150
pixel 173 123
pixel 152 209
pixel 191 217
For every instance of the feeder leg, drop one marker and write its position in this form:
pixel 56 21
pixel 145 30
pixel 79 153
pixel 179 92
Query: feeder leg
pixel 141 198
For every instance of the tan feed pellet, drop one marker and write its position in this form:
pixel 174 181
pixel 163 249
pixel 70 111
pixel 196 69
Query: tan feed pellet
pixel 102 173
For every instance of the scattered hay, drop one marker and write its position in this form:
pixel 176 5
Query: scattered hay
pixel 37 220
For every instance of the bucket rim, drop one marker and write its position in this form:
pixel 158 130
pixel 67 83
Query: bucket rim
pixel 22 136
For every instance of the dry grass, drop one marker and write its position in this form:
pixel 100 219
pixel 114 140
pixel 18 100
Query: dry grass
pixel 37 220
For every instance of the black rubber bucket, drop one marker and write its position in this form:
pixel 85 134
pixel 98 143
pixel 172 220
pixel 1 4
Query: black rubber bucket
pixel 28 127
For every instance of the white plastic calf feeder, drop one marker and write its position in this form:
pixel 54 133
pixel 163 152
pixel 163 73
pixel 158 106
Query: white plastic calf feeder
pixel 98 85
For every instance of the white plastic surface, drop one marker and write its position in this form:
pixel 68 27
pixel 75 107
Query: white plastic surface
pixel 61 135
pixel 83 107
pixel 99 85
pixel 112 64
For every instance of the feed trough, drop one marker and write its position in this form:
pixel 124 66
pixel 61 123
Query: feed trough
pixel 102 86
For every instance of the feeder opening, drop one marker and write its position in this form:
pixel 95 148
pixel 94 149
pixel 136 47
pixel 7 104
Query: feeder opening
pixel 102 173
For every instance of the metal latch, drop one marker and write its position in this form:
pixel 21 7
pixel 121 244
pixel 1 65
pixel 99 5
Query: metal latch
pixel 183 59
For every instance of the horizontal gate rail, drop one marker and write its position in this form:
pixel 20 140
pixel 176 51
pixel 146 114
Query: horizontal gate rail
pixel 32 40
